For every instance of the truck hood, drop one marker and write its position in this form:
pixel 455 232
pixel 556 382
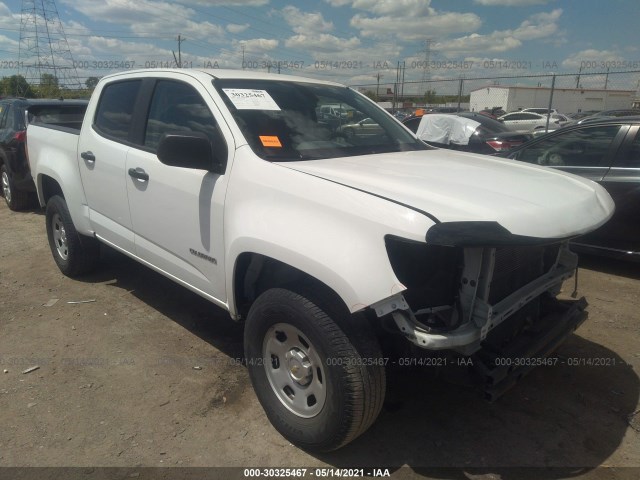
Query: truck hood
pixel 449 186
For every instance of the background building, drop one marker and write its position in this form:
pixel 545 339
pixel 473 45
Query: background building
pixel 565 100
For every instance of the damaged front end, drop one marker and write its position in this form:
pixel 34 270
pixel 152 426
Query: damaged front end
pixel 476 290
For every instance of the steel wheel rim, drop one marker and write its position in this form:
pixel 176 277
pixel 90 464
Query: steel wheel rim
pixel 6 190
pixel 59 236
pixel 294 370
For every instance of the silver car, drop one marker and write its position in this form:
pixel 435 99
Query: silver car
pixel 529 121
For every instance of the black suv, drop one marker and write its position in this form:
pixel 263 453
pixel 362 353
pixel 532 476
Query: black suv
pixel 15 175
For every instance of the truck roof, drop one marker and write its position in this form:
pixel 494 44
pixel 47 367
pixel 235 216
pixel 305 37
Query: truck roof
pixel 223 74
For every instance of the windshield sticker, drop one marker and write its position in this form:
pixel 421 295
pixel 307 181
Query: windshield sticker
pixel 246 99
pixel 270 141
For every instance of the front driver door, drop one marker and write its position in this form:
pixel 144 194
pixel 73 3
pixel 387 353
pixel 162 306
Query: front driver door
pixel 177 213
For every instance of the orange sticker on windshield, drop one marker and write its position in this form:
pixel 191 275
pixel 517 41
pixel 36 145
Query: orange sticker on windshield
pixel 270 141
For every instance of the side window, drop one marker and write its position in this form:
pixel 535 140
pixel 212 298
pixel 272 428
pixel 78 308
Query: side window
pixel 630 158
pixel 177 107
pixel 585 147
pixel 115 110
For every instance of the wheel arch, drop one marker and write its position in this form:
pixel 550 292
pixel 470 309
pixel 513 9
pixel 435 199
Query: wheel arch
pixel 48 185
pixel 254 273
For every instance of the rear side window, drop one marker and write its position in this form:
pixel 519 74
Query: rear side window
pixel 630 158
pixel 115 110
pixel 584 147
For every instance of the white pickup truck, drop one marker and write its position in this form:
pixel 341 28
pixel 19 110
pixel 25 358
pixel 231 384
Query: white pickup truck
pixel 325 241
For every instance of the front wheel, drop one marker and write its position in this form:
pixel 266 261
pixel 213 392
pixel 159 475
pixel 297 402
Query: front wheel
pixel 317 371
pixel 74 254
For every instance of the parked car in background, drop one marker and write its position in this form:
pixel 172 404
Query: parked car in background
pixel 494 112
pixel 541 110
pixel 364 127
pixel 578 115
pixel 529 121
pixel 596 117
pixel 607 152
pixel 15 175
pixel 443 110
pixel 488 136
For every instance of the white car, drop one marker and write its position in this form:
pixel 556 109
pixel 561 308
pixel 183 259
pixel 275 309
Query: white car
pixel 540 110
pixel 325 246
pixel 529 121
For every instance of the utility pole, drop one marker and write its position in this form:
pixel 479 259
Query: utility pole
pixel 378 87
pixel 242 45
pixel 606 79
pixel 578 78
pixel 404 67
pixel 179 59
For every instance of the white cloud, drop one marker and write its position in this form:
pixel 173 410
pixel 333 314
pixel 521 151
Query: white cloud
pixel 322 43
pixel 236 28
pixel 591 59
pixel 388 7
pixel 416 28
pixel 408 20
pixel 148 18
pixel 511 3
pixel 305 23
pixel 536 27
pixel 257 46
pixel 226 3
pixel 539 25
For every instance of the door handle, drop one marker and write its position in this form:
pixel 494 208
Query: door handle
pixel 88 156
pixel 138 174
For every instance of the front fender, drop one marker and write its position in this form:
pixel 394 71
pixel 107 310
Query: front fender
pixel 331 232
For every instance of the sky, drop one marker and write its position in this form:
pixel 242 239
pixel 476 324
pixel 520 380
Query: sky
pixel 354 42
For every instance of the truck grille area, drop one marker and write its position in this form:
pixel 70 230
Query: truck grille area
pixel 431 273
pixel 515 267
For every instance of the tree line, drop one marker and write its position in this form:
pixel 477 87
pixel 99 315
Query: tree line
pixel 49 87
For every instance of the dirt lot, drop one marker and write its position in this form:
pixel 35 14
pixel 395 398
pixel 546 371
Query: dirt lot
pixel 116 384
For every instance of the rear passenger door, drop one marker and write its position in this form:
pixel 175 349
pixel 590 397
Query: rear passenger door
pixel 177 213
pixel 103 152
pixel 585 151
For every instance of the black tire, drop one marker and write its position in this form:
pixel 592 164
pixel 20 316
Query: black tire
pixel 346 363
pixel 74 254
pixel 16 199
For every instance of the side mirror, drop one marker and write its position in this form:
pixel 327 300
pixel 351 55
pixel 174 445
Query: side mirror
pixel 192 150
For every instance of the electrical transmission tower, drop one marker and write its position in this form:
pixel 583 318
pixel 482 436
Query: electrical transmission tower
pixel 44 55
pixel 426 73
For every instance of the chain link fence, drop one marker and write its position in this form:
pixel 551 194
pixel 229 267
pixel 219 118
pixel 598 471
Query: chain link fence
pixel 567 93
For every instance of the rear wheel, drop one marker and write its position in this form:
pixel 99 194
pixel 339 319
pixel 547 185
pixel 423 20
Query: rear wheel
pixel 74 254
pixel 317 370
pixel 16 199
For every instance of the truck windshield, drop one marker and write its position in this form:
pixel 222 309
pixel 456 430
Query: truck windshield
pixel 290 121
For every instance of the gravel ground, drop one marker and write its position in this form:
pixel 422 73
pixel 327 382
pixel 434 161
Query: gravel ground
pixel 147 374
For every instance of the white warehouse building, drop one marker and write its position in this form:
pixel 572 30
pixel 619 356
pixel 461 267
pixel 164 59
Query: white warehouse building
pixel 565 100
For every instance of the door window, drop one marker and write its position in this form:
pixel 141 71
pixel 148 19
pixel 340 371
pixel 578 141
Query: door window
pixel 115 110
pixel 630 158
pixel 178 108
pixel 585 147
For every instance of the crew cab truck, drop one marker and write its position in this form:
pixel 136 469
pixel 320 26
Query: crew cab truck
pixel 323 245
